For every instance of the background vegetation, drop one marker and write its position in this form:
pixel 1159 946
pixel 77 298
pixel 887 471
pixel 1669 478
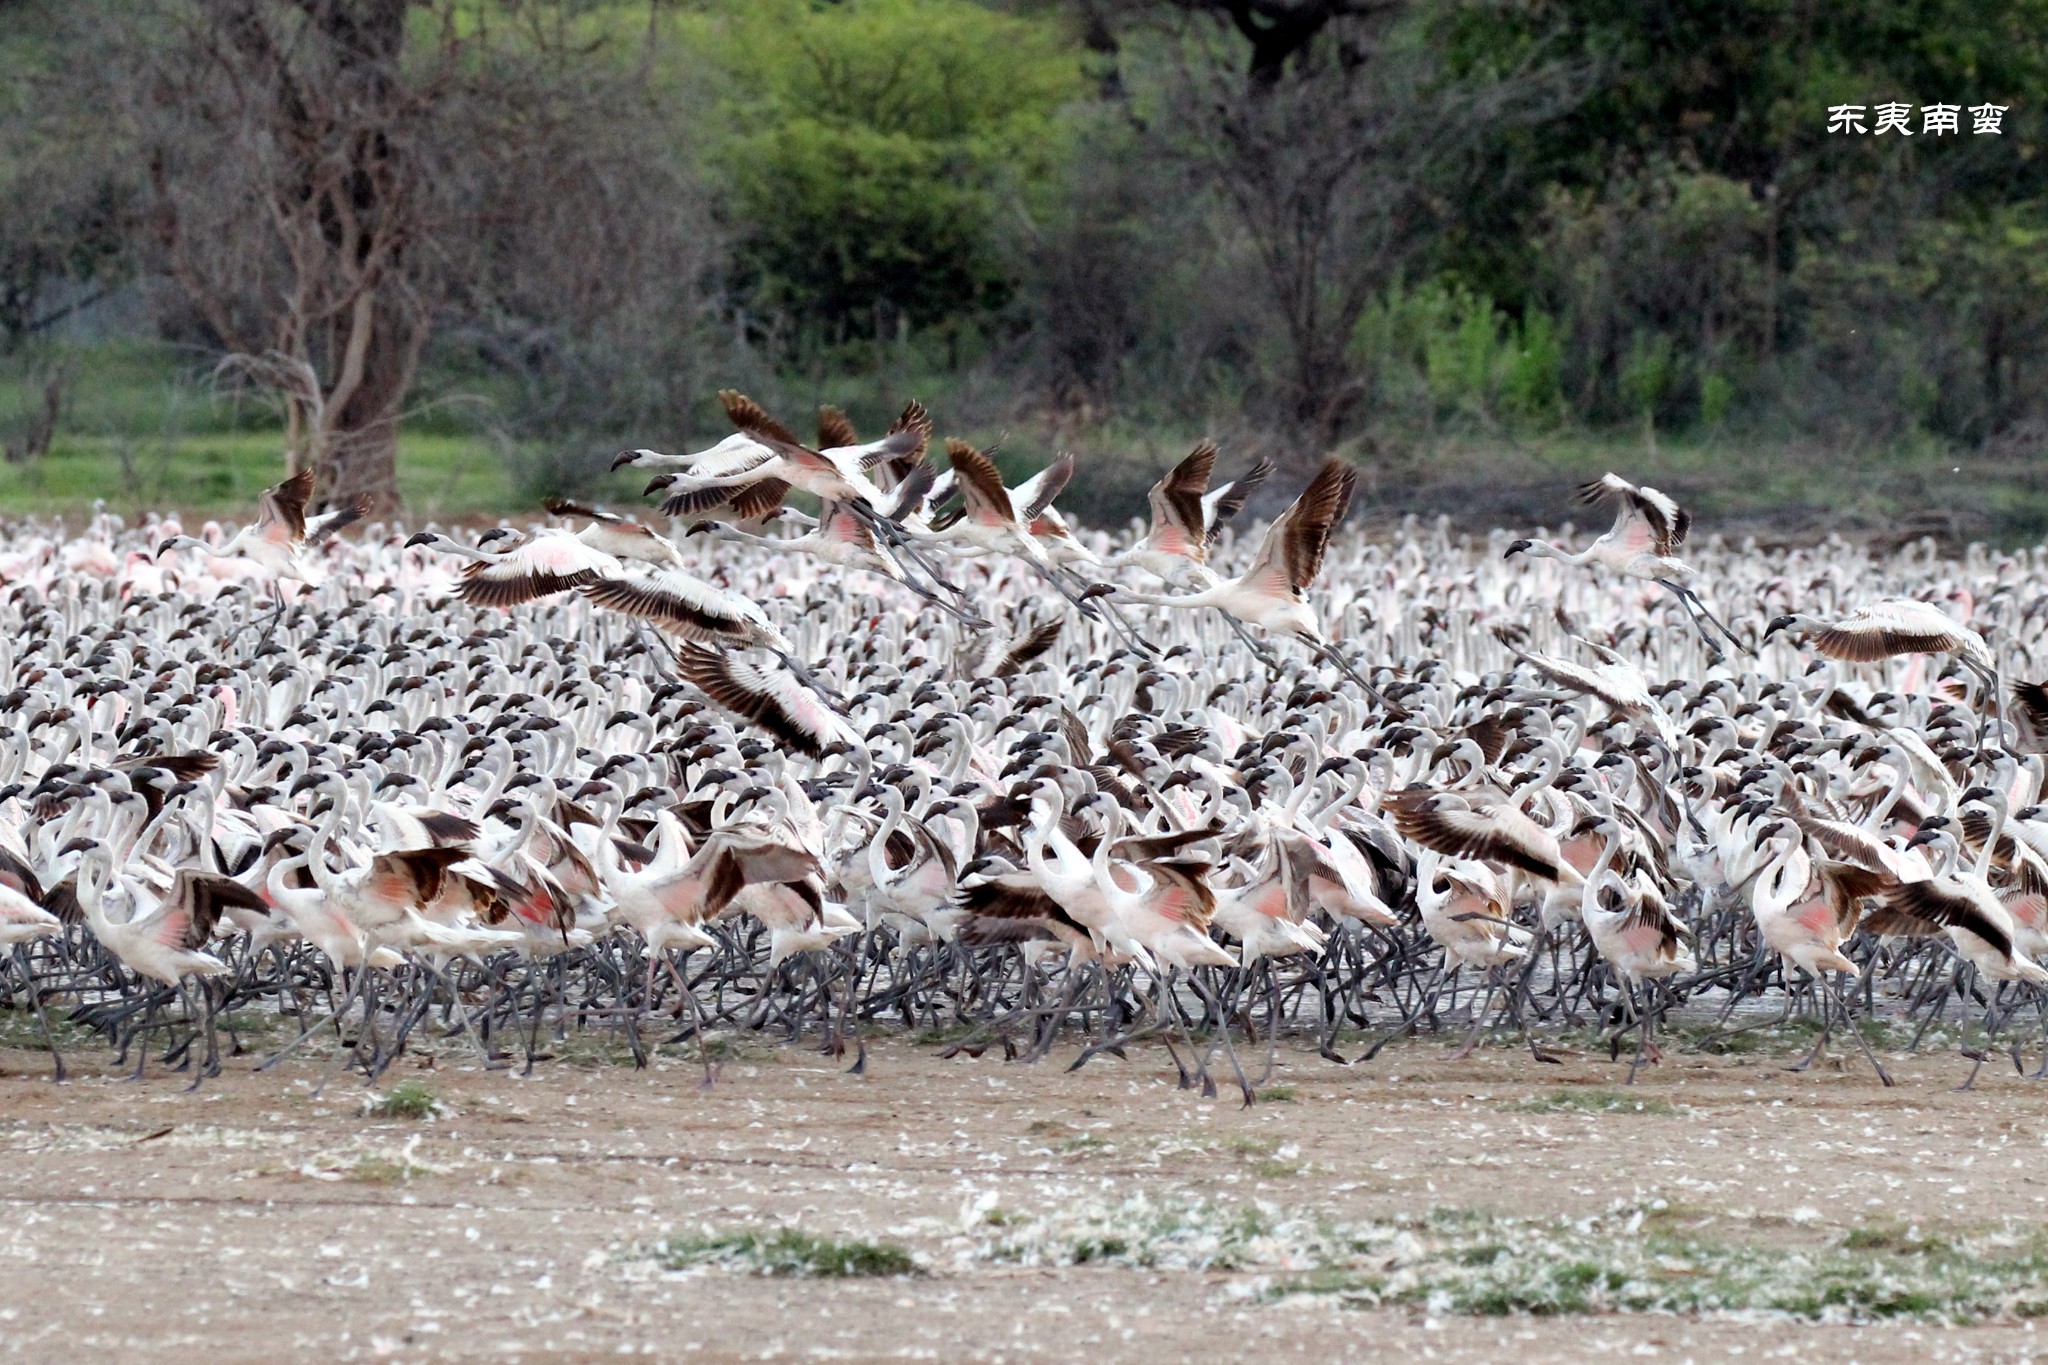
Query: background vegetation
pixel 1485 247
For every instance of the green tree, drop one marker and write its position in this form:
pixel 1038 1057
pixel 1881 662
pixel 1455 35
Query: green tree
pixel 873 146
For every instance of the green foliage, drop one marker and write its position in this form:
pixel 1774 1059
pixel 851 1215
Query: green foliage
pixel 1717 393
pixel 1445 342
pixel 875 142
pixel 1649 373
pixel 789 1252
pixel 1531 386
pixel 407 1100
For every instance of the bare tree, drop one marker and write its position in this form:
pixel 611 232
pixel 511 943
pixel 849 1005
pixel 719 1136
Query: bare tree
pixel 331 183
pixel 1343 147
pixel 289 146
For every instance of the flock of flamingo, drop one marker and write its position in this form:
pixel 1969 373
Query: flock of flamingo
pixel 860 771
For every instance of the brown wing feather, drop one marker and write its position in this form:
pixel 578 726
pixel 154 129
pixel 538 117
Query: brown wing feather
pixel 637 598
pixel 1240 491
pixel 835 429
pixel 446 829
pixel 758 499
pixel 725 881
pixel 326 528
pixel 1667 532
pixel 912 421
pixel 1437 828
pixel 1187 877
pixel 1925 901
pixel 1057 475
pixel 753 419
pixel 189 767
pixel 981 483
pixel 710 672
pixel 1491 734
pixel 204 896
pixel 1030 647
pixel 1182 488
pixel 1847 886
pixel 1868 646
pixel 289 499
pixel 481 591
pixel 1150 847
pixel 1319 508
pixel 1008 910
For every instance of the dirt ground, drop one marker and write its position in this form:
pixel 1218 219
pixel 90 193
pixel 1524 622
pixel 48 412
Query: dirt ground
pixel 252 1220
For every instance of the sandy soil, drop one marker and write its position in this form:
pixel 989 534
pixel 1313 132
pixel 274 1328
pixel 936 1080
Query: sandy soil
pixel 254 1221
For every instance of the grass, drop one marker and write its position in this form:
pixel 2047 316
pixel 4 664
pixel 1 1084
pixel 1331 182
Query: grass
pixel 945 1035
pixel 1795 1036
pixel 1590 1100
pixel 19 1030
pixel 406 1100
pixel 788 1252
pixel 144 427
pixel 1501 1266
pixel 1279 1094
pixel 1769 484
pixel 220 474
pixel 1478 1263
pixel 380 1170
pixel 730 1048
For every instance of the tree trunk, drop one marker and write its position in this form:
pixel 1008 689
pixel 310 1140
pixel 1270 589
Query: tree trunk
pixel 359 455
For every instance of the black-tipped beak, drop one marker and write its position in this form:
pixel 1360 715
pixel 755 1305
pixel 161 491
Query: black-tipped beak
pixel 624 458
pixel 1517 548
pixel 172 542
pixel 423 538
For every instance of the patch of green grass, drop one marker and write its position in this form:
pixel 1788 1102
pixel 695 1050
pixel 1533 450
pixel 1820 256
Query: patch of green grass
pixel 1278 1094
pixel 1792 1037
pixel 596 1051
pixel 1252 1146
pixel 789 1252
pixel 1085 1142
pixel 1493 1266
pixel 1905 1241
pixel 1276 1170
pixel 406 1100
pixel 1590 1100
pixel 945 1035
pixel 1144 1233
pixel 19 1030
pixel 1474 1262
pixel 372 1169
